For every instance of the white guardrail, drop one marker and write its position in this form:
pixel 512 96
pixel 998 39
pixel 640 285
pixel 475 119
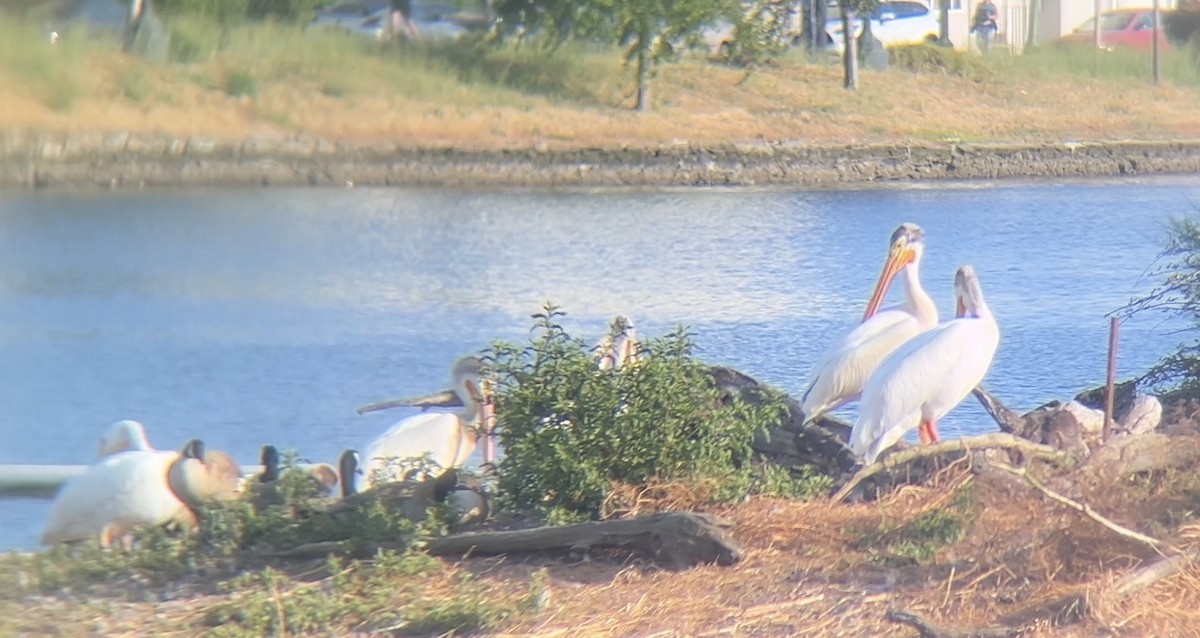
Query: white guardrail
pixel 43 481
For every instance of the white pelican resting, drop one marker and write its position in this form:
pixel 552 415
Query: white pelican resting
pixel 928 376
pixel 445 438
pixel 132 489
pixel 843 369
pixel 622 350
pixel 122 436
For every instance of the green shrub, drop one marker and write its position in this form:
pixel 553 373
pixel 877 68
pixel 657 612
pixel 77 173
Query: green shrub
pixel 928 58
pixel 572 432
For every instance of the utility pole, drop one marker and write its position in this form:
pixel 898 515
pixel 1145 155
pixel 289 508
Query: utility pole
pixel 1096 31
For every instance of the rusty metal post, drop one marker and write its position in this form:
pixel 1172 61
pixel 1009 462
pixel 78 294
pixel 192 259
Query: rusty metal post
pixel 1110 380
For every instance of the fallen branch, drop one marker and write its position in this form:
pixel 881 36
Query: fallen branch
pixel 1147 576
pixel 927 629
pixel 675 539
pixel 1009 420
pixel 1083 507
pixel 965 444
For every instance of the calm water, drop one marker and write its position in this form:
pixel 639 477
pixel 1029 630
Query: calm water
pixel 267 316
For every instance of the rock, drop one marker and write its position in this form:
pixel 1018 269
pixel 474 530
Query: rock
pixel 1144 415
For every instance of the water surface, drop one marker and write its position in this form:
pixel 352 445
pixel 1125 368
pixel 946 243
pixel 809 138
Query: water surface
pixel 266 316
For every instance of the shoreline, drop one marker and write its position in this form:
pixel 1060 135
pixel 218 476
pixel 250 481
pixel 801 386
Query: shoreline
pixel 137 160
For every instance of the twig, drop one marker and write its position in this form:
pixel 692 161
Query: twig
pixel 1083 507
pixel 966 444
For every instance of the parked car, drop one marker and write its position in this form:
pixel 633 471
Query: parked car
pixel 893 22
pixel 1131 29
pixel 433 20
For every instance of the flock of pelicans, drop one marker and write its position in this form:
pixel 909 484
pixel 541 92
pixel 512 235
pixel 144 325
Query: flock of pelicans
pixel 905 368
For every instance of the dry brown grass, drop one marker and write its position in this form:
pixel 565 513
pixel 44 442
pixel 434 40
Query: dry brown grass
pixel 416 101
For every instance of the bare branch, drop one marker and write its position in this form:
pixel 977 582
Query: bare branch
pixel 965 444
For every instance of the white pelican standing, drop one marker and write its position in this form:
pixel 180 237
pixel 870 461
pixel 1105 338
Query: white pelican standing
pixel 132 489
pixel 927 377
pixel 446 438
pixel 843 369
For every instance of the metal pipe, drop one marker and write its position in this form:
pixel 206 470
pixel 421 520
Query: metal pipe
pixel 43 481
pixel 1110 378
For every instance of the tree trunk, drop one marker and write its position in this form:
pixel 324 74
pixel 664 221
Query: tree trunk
pixel 643 77
pixel 850 50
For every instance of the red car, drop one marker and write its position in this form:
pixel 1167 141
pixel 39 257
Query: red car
pixel 1131 29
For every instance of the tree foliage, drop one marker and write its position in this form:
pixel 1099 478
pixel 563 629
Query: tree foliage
pixel 1175 295
pixel 571 432
pixel 651 31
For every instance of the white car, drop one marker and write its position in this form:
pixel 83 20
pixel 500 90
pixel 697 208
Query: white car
pixel 892 22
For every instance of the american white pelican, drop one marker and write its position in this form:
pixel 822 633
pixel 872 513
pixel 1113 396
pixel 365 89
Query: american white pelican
pixel 122 436
pixel 843 369
pixel 621 350
pixel 446 439
pixel 929 375
pixel 132 489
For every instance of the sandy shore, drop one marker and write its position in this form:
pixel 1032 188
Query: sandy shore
pixel 132 160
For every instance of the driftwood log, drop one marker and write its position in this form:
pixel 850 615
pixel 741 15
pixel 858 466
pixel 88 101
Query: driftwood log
pixel 677 540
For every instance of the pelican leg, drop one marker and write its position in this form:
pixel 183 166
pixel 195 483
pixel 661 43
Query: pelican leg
pixel 925 432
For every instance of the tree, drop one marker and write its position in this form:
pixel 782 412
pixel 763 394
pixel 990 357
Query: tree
pixel 650 30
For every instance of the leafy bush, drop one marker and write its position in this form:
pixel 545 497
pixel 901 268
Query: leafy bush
pixel 572 432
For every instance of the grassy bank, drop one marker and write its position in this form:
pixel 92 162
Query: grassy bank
pixel 270 80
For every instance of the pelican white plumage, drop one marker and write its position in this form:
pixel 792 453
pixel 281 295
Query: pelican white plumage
pixel 842 370
pixel 132 489
pixel 121 436
pixel 447 439
pixel 928 376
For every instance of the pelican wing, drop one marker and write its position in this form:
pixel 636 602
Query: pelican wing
pixel 843 370
pixel 443 437
pixel 922 379
pixel 125 490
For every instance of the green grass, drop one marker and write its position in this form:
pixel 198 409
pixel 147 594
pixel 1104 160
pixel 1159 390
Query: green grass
pixel 1179 65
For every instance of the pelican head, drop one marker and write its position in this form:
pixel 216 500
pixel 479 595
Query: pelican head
pixel 270 463
pixel 908 244
pixel 348 464
pixel 967 293
pixel 122 436
pixel 201 474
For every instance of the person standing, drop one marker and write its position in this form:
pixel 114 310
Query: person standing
pixel 984 25
pixel 402 19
